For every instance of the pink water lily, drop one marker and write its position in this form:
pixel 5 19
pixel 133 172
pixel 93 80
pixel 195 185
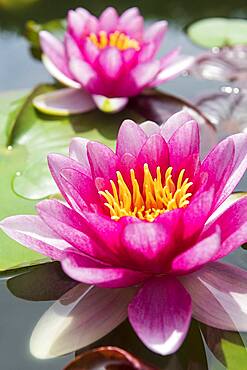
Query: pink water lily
pixel 150 221
pixel 105 60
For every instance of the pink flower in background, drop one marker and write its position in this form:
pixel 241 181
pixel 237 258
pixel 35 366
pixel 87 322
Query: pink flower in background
pixel 152 219
pixel 105 60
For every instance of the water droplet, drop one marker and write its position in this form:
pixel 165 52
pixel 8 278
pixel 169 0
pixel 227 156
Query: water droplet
pixel 236 90
pixel 185 74
pixel 18 173
pixel 10 147
pixel 215 50
pixel 227 89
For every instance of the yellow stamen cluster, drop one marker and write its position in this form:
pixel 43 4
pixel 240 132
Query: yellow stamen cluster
pixel 117 39
pixel 155 198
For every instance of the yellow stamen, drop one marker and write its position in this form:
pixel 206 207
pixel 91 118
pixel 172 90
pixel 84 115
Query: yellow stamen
pixel 154 198
pixel 115 39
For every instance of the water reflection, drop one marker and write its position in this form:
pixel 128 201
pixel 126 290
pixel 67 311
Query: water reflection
pixel 67 325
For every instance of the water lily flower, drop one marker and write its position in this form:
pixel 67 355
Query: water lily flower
pixel 105 61
pixel 151 222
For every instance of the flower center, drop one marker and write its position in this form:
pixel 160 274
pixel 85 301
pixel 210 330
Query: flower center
pixel 115 39
pixel 155 197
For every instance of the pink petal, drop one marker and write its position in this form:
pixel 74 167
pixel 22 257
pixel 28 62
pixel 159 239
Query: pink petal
pixel 78 152
pixel 238 167
pixel 184 149
pixel 64 102
pixel 160 314
pixel 76 24
pixel 129 15
pixel 173 70
pixel 80 187
pixel 110 62
pixel 168 58
pixel 218 165
pixel 147 245
pixel 173 123
pixel 103 161
pixel 132 24
pixel 154 152
pixel 58 75
pixel 71 47
pixel 108 20
pixel 197 213
pixel 80 317
pixel 106 230
pixel 150 128
pixel 219 296
pixel 198 255
pixel 144 73
pixel 54 50
pixel 68 224
pixel 90 51
pixel 147 52
pixel 82 71
pixel 156 32
pixel 57 163
pixel 33 233
pixel 80 232
pixel 109 277
pixel 233 224
pixel 91 22
pixel 130 139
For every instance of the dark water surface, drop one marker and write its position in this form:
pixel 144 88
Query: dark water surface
pixel 19 70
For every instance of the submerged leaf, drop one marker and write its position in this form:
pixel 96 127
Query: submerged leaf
pixel 225 64
pixel 211 32
pixel 226 109
pixel 105 358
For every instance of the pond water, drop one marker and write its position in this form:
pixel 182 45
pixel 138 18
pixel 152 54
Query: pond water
pixel 19 70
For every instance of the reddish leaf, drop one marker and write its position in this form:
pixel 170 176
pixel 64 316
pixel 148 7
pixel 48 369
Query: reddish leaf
pixel 111 358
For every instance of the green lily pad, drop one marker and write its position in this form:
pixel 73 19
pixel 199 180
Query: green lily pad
pixel 218 32
pixel 56 26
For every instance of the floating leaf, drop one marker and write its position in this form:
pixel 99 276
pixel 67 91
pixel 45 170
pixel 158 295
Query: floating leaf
pixel 225 64
pixel 212 32
pixel 42 283
pixel 226 109
pixel 57 27
pixel 107 357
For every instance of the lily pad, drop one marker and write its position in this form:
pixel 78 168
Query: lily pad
pixel 27 136
pixel 218 32
pixel 47 282
pixel 55 26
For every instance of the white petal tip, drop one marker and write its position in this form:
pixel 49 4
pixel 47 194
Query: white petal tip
pixel 58 75
pixel 110 105
pixel 64 102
